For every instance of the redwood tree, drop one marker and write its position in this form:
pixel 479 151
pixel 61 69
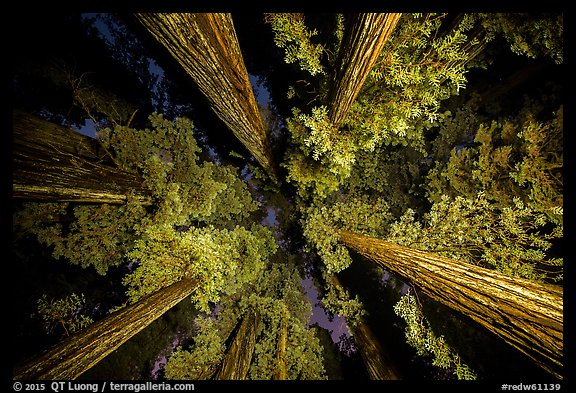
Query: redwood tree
pixel 239 355
pixel 207 47
pixel 364 38
pixel 526 314
pixel 281 372
pixel 54 163
pixel 73 356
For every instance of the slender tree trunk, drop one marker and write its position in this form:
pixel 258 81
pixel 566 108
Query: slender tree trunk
pixel 281 372
pixel 54 163
pixel 527 315
pixel 375 358
pixel 239 355
pixel 364 38
pixel 74 355
pixel 207 48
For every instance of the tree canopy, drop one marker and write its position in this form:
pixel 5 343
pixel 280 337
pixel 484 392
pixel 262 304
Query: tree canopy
pixel 433 135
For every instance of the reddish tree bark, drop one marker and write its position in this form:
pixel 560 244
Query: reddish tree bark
pixel 54 163
pixel 207 48
pixel 364 38
pixel 79 352
pixel 239 355
pixel 525 314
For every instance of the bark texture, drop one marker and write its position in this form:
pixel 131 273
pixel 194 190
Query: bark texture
pixel 207 47
pixel 364 38
pixel 237 361
pixel 54 163
pixel 525 314
pixel 281 371
pixel 76 354
pixel 376 360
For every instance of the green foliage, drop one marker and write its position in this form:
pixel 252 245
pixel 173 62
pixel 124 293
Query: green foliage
pixel 339 30
pixel 497 195
pixel 496 189
pixel 35 218
pixel 65 313
pixel 96 235
pixel 205 356
pixel 475 230
pixel 521 158
pixel 531 35
pixel 276 288
pixel 185 192
pixel 322 221
pixel 292 35
pixel 394 174
pixel 338 301
pixel 419 68
pixel 236 155
pixel 333 156
pixel 456 128
pixel 282 289
pixel 420 336
pixel 262 180
pixel 312 178
pixel 222 259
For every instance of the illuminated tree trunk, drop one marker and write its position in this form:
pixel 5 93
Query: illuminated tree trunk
pixel 525 314
pixel 281 372
pixel 376 360
pixel 207 48
pixel 76 354
pixel 364 38
pixel 239 355
pixel 54 163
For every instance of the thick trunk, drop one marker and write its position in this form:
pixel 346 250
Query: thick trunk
pixel 364 38
pixel 79 352
pixel 239 355
pixel 207 48
pixel 527 315
pixel 54 163
pixel 281 372
pixel 375 358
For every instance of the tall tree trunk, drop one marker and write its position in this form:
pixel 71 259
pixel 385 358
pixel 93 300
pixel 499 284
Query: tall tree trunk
pixel 79 352
pixel 207 48
pixel 527 315
pixel 239 355
pixel 54 163
pixel 280 373
pixel 364 37
pixel 375 358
